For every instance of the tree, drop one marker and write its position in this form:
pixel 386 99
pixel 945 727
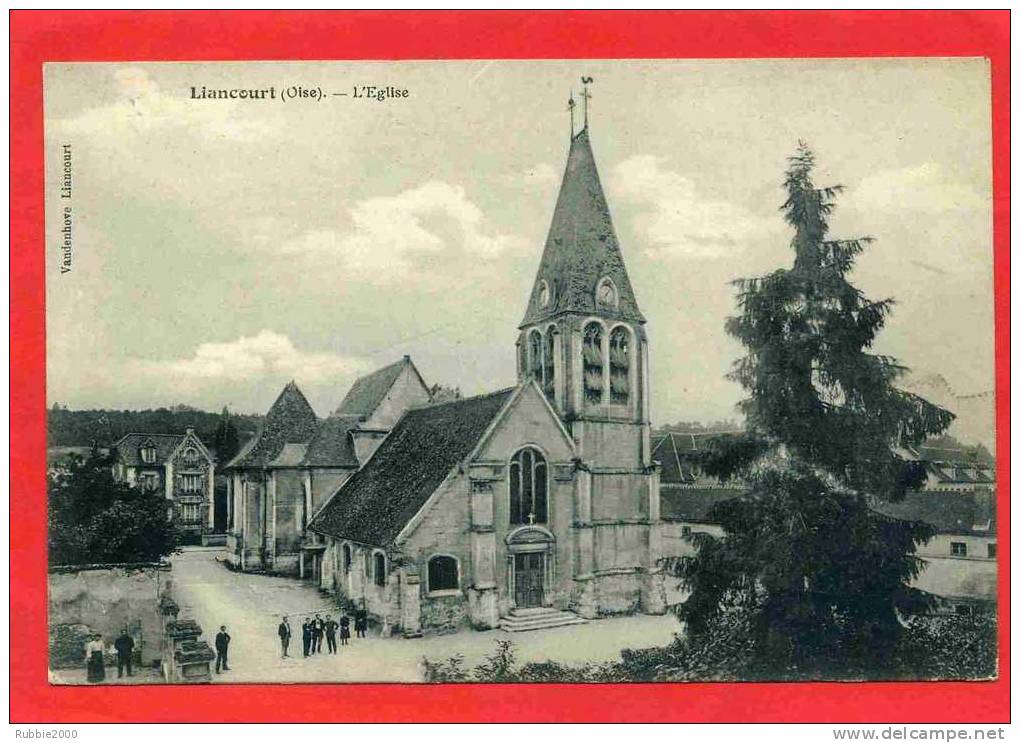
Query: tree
pixel 225 440
pixel 440 393
pixel 819 572
pixel 93 518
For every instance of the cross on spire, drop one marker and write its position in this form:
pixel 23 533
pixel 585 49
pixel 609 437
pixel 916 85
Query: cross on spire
pixel 586 96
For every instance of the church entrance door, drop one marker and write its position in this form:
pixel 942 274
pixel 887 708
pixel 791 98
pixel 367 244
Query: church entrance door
pixel 529 579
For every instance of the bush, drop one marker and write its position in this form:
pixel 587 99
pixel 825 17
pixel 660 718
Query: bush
pixel 930 648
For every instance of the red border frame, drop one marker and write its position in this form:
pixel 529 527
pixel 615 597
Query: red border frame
pixel 41 36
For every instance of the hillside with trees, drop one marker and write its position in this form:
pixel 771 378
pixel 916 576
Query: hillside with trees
pixel 103 428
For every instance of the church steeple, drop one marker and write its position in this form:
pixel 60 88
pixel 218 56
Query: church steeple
pixel 582 255
pixel 583 337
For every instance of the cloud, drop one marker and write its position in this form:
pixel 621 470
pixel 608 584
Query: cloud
pixel 142 108
pixel 676 220
pixel 266 355
pixel 921 188
pixel 414 233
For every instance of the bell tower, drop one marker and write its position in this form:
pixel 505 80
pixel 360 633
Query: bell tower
pixel 583 337
pixel 583 340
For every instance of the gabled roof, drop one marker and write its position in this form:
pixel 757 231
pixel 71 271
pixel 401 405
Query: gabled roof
pixel 333 445
pixel 130 446
pixel 290 420
pixel 368 391
pixel 676 453
pixel 378 500
pixel 951 512
pixel 581 247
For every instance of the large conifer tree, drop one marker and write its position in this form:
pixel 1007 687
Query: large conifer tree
pixel 820 572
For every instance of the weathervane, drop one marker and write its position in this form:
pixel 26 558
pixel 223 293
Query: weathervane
pixel 587 97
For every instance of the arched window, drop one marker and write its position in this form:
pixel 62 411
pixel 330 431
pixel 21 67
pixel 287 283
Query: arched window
pixel 619 366
pixel 593 363
pixel 148 453
pixel 522 359
pixel 529 487
pixel 549 383
pixel 348 558
pixel 535 354
pixel 443 574
pixel 191 456
pixel 380 569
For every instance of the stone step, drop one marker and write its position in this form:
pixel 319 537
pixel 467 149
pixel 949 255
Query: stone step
pixel 536 611
pixel 526 620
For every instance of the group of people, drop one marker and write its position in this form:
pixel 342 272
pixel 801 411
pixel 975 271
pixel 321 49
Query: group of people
pixel 124 646
pixel 315 629
pixel 95 660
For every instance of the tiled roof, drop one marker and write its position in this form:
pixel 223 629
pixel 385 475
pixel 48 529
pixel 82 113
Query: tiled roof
pixel 414 459
pixel 970 455
pixel 692 504
pixel 129 448
pixel 332 445
pixel 368 391
pixel 951 512
pixel 581 247
pixel 290 420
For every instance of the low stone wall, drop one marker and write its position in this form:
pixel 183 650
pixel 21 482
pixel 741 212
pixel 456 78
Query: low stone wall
pixel 214 540
pixel 85 599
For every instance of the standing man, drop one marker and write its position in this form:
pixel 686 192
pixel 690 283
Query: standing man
pixel 330 628
pixel 125 646
pixel 306 635
pixel 222 644
pixel 360 622
pixel 317 633
pixel 284 632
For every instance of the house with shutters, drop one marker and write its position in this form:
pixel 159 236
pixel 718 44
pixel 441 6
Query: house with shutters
pixel 532 506
pixel 177 465
pixel 283 475
pixel 956 497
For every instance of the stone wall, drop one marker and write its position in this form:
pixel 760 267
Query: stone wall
pixel 105 598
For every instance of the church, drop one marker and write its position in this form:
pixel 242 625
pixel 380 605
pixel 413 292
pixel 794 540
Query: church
pixel 532 506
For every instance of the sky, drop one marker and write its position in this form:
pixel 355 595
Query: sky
pixel 224 247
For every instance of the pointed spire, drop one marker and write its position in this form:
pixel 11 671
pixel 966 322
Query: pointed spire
pixel 581 249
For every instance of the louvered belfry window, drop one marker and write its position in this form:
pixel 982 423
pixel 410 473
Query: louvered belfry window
pixel 593 363
pixel 619 366
pixel 529 486
pixel 549 384
pixel 535 355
